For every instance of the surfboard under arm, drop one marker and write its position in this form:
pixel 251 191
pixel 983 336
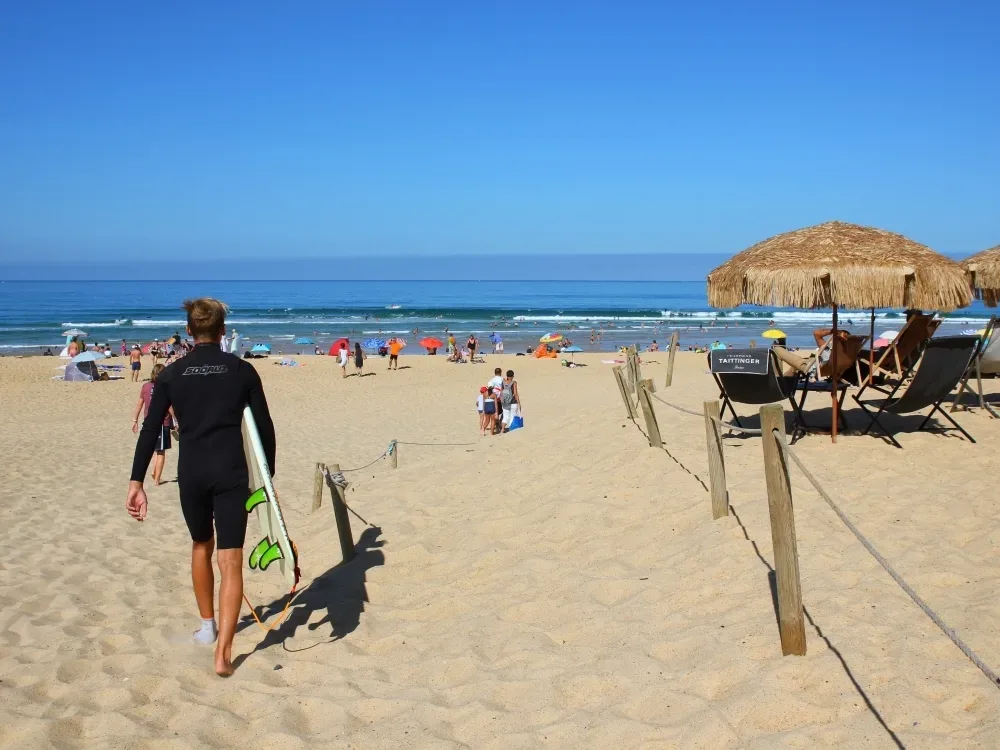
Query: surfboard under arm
pixel 272 524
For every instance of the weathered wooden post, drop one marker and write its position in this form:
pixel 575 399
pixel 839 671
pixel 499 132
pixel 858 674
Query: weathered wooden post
pixel 674 343
pixel 623 389
pixel 643 390
pixel 791 623
pixel 394 454
pixel 342 518
pixel 630 368
pixel 636 367
pixel 318 487
pixel 716 461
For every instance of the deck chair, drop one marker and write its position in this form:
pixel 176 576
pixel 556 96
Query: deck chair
pixel 986 362
pixel 899 357
pixel 746 388
pixel 944 363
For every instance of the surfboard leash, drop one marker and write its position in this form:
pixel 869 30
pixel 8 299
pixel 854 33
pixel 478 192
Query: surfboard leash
pixel 291 596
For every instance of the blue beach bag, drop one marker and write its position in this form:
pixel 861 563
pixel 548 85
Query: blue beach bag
pixel 517 423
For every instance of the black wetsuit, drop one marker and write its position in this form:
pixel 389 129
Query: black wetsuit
pixel 209 390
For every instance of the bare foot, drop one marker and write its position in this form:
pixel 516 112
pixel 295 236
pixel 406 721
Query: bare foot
pixel 223 664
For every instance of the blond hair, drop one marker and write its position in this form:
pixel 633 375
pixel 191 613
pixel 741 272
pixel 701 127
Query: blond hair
pixel 157 369
pixel 206 317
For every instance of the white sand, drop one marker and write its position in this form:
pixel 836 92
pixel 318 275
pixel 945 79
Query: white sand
pixel 563 586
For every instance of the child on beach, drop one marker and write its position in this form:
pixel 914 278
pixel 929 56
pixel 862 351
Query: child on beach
pixel 163 440
pixel 344 358
pixel 208 390
pixel 490 409
pixel 480 404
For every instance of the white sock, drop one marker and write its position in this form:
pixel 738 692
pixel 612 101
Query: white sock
pixel 207 633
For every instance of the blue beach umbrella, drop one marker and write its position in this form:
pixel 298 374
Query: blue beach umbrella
pixel 88 356
pixel 373 343
pixel 305 341
pixel 261 349
pixel 572 350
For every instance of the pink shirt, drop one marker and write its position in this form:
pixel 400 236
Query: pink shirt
pixel 146 394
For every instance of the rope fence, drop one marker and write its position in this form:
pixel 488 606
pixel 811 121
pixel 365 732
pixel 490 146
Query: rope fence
pixel 934 616
pixel 777 455
pixel 333 477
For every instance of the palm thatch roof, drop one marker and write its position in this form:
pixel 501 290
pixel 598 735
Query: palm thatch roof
pixel 840 264
pixel 984 270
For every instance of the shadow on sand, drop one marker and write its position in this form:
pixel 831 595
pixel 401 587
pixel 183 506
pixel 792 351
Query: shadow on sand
pixel 340 591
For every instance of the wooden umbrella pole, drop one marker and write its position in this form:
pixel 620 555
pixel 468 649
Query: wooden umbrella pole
pixel 836 376
pixel 871 349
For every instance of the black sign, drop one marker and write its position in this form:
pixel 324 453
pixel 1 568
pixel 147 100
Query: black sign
pixel 744 361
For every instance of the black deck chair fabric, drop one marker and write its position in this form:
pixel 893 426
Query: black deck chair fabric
pixel 746 388
pixel 941 368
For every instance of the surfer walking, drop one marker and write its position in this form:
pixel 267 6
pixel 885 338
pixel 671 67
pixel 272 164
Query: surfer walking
pixel 208 391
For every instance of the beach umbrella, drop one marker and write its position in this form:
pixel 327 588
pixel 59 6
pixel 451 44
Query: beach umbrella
pixel 305 341
pixel 339 344
pixel 840 265
pixel 572 350
pixel 87 356
pixel 550 338
pixel 261 349
pixel 431 343
pixel 75 332
pixel 888 335
pixel 880 342
pixel 399 340
pixel 774 333
pixel 984 274
pixel 373 343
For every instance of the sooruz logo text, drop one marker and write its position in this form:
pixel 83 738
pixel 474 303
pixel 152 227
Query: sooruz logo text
pixel 206 370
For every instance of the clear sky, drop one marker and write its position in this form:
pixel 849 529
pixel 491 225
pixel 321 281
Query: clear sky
pixel 249 129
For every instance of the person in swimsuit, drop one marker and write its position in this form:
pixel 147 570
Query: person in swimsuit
pixel 344 355
pixel 472 343
pixel 208 391
pixel 135 359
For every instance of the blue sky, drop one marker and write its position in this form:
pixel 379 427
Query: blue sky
pixel 252 129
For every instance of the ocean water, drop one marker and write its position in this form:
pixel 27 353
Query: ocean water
pixel 33 314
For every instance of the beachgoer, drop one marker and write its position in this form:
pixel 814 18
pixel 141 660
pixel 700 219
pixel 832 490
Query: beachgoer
pixel 452 347
pixel 472 343
pixel 49 353
pixel 395 347
pixel 208 392
pixel 480 403
pixel 359 359
pixel 510 399
pixel 135 360
pixel 124 348
pixel 317 351
pixel 654 347
pixel 497 380
pixel 490 409
pixel 344 358
pixel 163 439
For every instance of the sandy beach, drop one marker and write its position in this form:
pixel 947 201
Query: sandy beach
pixel 561 586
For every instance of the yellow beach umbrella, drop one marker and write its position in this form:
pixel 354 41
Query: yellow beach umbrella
pixel 774 333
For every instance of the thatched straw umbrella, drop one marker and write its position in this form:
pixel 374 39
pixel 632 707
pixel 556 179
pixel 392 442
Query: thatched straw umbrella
pixel 840 265
pixel 984 270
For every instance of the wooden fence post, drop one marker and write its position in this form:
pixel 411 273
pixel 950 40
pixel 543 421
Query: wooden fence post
pixel 636 368
pixel 620 379
pixel 630 369
pixel 674 343
pixel 652 428
pixel 791 624
pixel 716 461
pixel 394 457
pixel 342 518
pixel 318 487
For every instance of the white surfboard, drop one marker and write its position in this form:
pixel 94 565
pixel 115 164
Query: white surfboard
pixel 274 546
